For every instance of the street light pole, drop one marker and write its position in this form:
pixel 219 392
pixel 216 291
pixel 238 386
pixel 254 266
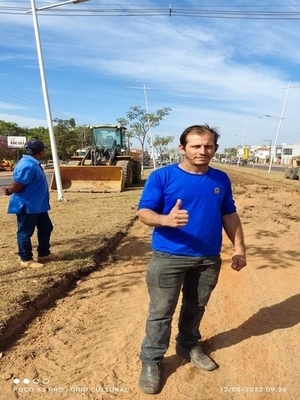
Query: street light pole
pixel 150 130
pixel 34 10
pixel 244 135
pixel 243 141
pixel 278 129
pixel 270 147
pixel 147 109
pixel 280 119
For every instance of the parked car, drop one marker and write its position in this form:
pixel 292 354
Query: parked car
pixel 48 165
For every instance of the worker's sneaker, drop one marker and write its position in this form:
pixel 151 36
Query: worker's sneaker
pixel 150 378
pixel 49 257
pixel 197 357
pixel 31 264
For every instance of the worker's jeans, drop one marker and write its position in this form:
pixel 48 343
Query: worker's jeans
pixel 166 275
pixel 26 226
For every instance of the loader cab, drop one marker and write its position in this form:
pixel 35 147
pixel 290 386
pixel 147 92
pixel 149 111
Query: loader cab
pixel 109 137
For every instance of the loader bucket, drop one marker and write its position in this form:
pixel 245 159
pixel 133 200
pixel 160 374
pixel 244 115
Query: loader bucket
pixel 90 179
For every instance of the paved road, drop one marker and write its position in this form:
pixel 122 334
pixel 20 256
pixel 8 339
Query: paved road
pixel 275 167
pixel 6 178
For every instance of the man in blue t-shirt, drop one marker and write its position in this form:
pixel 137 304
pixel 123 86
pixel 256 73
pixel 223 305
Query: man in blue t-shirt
pixel 188 204
pixel 30 202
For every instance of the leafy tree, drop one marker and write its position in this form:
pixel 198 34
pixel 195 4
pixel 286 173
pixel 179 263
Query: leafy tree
pixel 67 138
pixel 5 152
pixel 42 134
pixel 160 143
pixel 175 155
pixel 140 122
pixel 11 129
pixel 230 152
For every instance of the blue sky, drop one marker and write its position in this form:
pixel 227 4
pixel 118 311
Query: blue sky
pixel 227 72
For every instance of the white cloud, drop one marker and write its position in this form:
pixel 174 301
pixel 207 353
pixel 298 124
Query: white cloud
pixel 8 106
pixel 23 121
pixel 218 71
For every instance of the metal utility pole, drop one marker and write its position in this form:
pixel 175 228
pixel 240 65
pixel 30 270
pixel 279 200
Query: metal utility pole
pixel 34 10
pixel 147 109
pixel 278 129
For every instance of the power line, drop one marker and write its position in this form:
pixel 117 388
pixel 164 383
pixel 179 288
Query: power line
pixel 17 101
pixel 211 13
pixel 20 102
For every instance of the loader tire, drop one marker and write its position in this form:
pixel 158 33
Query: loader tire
pixel 137 172
pixel 294 173
pixel 127 171
pixel 287 173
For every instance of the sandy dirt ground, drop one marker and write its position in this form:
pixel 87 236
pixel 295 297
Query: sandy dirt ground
pixel 87 345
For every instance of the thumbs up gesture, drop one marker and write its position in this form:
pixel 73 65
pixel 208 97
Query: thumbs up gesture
pixel 177 217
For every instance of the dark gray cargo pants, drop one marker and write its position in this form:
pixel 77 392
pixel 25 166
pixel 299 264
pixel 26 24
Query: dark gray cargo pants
pixel 166 276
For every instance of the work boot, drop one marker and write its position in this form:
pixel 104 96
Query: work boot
pixel 31 264
pixel 150 378
pixel 197 357
pixel 49 257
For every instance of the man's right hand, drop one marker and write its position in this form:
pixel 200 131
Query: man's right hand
pixel 6 191
pixel 177 217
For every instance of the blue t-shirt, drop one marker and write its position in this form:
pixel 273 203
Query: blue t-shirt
pixel 206 197
pixel 35 193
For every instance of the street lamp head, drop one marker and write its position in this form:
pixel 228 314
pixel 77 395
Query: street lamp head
pixel 272 116
pixel 63 3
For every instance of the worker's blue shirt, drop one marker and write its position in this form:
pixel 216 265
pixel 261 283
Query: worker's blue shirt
pixel 35 192
pixel 206 197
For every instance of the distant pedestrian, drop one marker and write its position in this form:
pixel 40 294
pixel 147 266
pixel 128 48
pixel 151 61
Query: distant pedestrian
pixel 188 204
pixel 30 202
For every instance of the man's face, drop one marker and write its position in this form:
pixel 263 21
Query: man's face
pixel 199 149
pixel 40 155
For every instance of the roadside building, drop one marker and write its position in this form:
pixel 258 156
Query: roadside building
pixel 283 154
pixel 288 151
pixel 261 154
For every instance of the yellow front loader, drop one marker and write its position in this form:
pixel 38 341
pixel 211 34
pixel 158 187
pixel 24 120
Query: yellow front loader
pixel 7 165
pixel 105 166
